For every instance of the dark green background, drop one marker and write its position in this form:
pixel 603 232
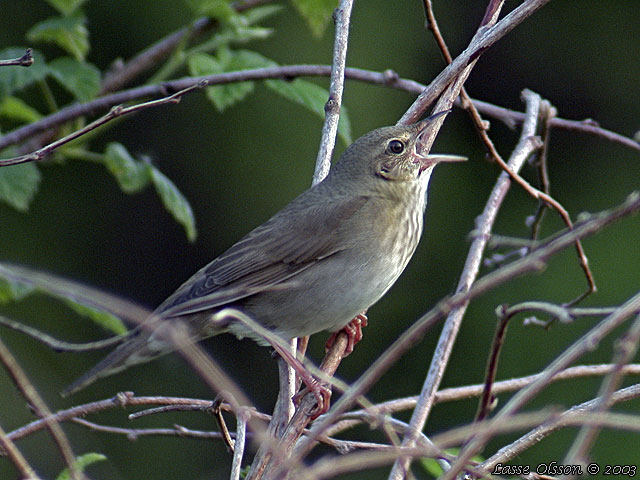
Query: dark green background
pixel 240 167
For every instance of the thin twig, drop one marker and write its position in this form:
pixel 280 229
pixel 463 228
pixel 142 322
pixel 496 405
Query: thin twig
pixel 469 274
pixel 135 433
pixel 341 16
pixel 626 348
pixel 535 261
pixel 238 447
pixel 25 60
pixel 580 347
pixel 533 437
pixel 8 448
pixel 59 345
pixel 115 112
pixel 41 409
pixel 388 78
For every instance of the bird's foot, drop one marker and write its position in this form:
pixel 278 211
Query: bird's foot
pixel 353 331
pixel 322 393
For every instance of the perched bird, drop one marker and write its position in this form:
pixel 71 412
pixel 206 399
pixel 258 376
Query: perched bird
pixel 317 263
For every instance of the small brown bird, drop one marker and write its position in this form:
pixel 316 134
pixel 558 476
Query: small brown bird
pixel 334 251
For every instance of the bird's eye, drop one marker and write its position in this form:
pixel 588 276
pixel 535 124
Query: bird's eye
pixel 396 146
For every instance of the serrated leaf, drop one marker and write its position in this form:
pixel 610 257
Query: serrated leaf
pixel 15 78
pixel 81 79
pixel 66 7
pixel 218 9
pixel 316 12
pixel 104 319
pixel 131 174
pixel 224 96
pixel 13 291
pixel 16 109
pixel 314 98
pixel 19 184
pixel 69 33
pixel 82 462
pixel 175 203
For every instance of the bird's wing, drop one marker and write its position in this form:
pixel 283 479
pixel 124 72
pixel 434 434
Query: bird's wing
pixel 298 236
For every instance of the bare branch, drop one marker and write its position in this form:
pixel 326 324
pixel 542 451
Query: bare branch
pixel 579 348
pixel 388 78
pixel 59 345
pixel 626 348
pixel 341 17
pixel 450 330
pixel 533 437
pixel 115 112
pixel 8 448
pixel 40 407
pixel 25 60
pixel 532 262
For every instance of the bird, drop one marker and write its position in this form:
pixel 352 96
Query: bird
pixel 315 265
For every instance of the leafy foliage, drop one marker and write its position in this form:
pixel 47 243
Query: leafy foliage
pixel 316 12
pixel 19 184
pixel 69 33
pixel 82 462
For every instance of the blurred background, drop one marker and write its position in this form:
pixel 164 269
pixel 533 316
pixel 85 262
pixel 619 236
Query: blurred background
pixel 239 167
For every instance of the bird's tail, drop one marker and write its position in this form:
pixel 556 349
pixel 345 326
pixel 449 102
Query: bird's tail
pixel 139 347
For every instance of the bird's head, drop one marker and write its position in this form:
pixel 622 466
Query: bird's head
pixel 392 154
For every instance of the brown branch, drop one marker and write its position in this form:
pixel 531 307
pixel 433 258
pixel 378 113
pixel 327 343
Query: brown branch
pixel 8 448
pixel 40 408
pixel 625 349
pixel 535 261
pixel 25 60
pixel 533 437
pixel 115 112
pixel 341 16
pixel 388 78
pixel 575 351
pixel 59 345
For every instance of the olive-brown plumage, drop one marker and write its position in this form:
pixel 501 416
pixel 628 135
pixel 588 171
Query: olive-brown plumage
pixel 317 263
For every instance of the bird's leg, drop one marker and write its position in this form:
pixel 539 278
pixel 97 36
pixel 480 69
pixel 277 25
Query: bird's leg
pixel 353 331
pixel 321 392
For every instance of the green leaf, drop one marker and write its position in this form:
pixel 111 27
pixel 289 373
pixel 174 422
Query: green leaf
pixel 66 7
pixel 15 109
pixel 131 174
pixel 16 78
pixel 69 33
pixel 316 12
pixel 79 78
pixel 101 317
pixel 224 96
pixel 82 462
pixel 257 14
pixel 314 98
pixel 218 9
pixel 175 202
pixel 19 184
pixel 432 466
pixel 13 291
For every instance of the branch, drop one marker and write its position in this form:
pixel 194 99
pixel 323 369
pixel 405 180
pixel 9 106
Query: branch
pixel 580 347
pixel 332 108
pixel 535 261
pixel 388 78
pixel 469 274
pixel 540 432
pixel 625 349
pixel 115 112
pixel 25 60
pixel 40 407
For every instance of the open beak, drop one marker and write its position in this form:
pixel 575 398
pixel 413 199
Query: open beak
pixel 429 160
